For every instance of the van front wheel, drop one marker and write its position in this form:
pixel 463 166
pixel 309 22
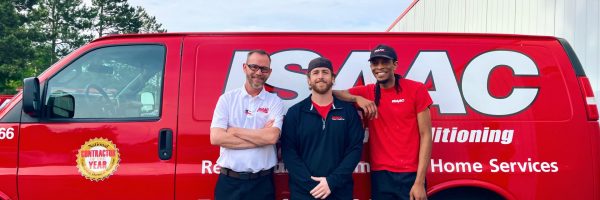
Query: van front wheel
pixel 466 193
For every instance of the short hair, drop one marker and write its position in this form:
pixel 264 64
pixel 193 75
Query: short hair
pixel 259 51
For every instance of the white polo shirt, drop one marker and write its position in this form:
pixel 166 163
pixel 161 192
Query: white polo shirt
pixel 236 108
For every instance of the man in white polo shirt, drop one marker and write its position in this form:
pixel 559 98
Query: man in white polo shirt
pixel 246 125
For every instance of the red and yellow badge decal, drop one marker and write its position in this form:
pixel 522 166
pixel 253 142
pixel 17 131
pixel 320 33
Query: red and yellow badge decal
pixel 97 159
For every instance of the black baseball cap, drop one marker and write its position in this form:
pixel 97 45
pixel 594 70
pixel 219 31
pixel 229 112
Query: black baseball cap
pixel 320 62
pixel 383 51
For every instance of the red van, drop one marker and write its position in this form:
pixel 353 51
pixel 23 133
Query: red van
pixel 128 116
pixel 4 99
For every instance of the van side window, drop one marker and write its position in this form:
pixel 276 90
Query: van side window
pixel 113 82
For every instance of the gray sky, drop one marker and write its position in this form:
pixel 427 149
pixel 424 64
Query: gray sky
pixel 274 15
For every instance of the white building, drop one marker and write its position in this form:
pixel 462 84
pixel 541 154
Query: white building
pixel 577 21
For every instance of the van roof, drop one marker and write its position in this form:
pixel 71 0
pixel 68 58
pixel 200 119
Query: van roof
pixel 116 36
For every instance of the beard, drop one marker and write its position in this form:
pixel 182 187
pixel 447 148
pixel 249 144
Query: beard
pixel 254 83
pixel 321 90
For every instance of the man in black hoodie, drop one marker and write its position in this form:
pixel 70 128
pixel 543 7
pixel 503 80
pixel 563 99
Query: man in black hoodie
pixel 322 139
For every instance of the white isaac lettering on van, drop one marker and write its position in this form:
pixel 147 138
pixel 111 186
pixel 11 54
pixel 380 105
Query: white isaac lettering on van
pixel 447 95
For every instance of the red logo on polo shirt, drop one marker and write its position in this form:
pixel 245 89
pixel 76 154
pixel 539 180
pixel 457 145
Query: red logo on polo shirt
pixel 337 118
pixel 263 110
pixel 397 100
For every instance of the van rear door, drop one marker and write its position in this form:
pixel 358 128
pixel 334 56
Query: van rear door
pixel 108 123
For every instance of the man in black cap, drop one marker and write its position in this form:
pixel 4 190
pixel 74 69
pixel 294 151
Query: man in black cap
pixel 399 128
pixel 322 139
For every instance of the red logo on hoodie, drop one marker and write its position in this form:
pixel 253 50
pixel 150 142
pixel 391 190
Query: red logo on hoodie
pixel 337 118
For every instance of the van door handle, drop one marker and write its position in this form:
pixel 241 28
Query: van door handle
pixel 165 144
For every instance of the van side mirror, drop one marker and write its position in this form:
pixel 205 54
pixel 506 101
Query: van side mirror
pixel 31 96
pixel 61 106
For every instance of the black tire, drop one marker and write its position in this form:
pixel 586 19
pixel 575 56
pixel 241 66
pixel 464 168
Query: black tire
pixel 466 193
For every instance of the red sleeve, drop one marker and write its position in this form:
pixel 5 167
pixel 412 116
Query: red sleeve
pixel 359 91
pixel 423 99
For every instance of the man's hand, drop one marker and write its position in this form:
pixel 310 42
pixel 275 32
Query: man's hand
pixel 269 123
pixel 225 138
pixel 367 106
pixel 235 131
pixel 417 192
pixel 321 191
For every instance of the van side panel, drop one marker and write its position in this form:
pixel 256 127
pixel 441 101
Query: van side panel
pixel 583 127
pixel 595 144
pixel 592 125
pixel 4 98
pixel 9 140
pixel 196 172
pixel 545 153
pixel 507 110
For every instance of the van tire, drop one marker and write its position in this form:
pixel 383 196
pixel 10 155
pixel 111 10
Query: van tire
pixel 466 193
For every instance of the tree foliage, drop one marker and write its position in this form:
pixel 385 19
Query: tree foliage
pixel 15 46
pixel 117 16
pixel 36 33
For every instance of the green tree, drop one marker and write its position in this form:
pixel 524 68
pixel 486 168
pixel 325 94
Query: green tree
pixel 60 24
pixel 15 44
pixel 36 33
pixel 149 23
pixel 117 16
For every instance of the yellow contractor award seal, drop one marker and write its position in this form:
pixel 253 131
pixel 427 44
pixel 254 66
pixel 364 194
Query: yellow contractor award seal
pixel 97 159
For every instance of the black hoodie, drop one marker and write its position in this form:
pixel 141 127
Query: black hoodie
pixel 313 146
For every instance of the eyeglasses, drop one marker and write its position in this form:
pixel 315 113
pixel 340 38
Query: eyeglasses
pixel 255 67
